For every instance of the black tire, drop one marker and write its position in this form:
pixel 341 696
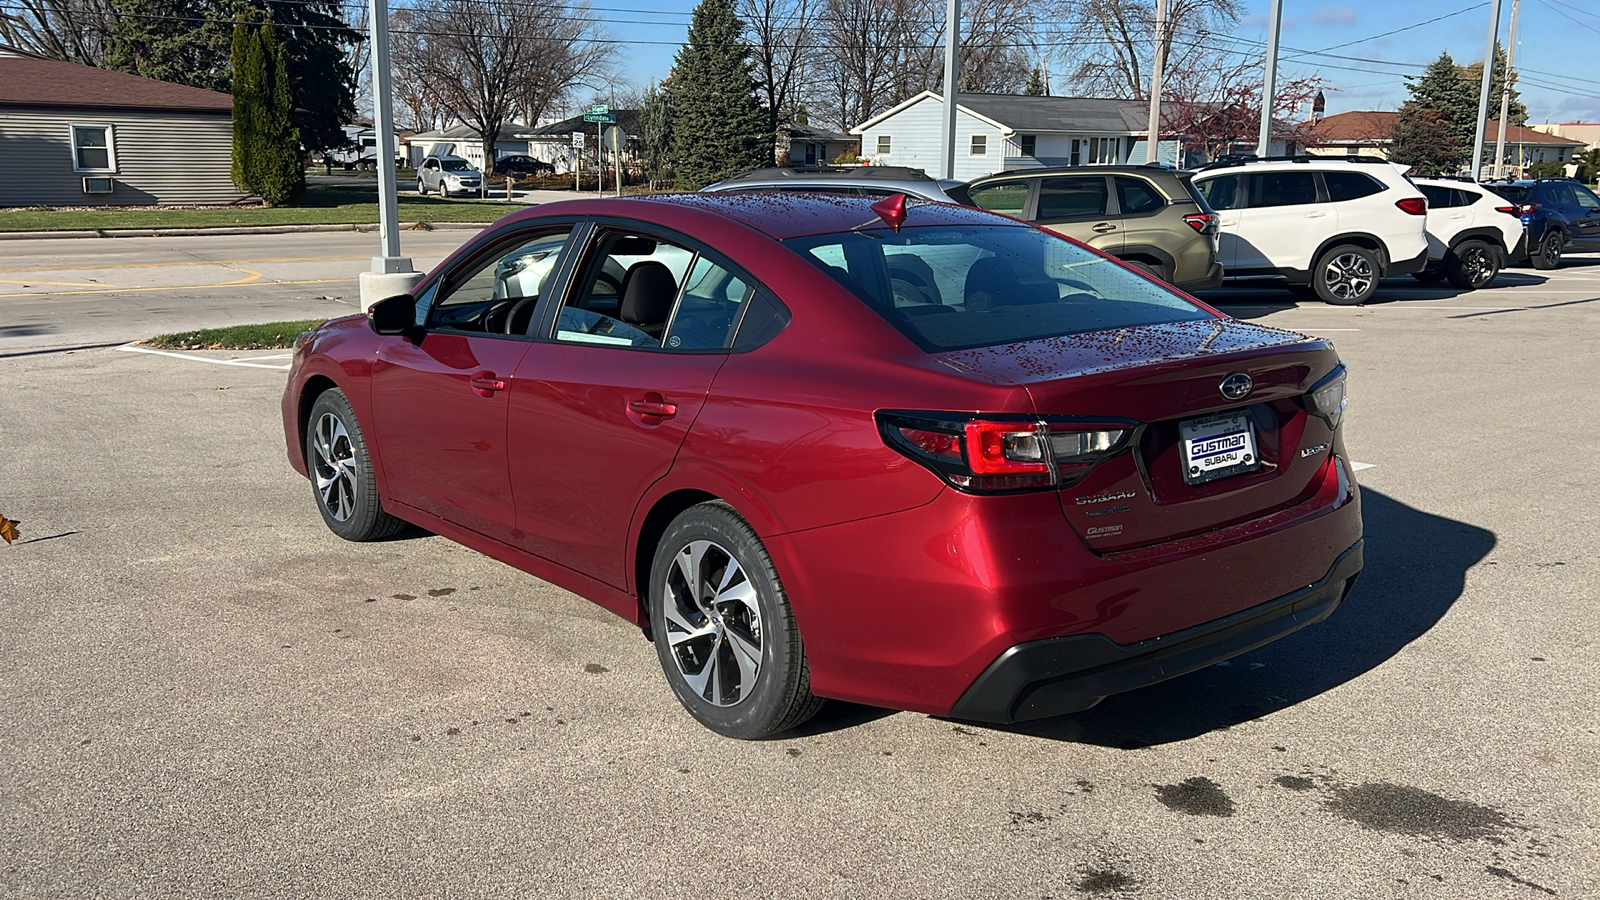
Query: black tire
pixel 342 481
pixel 1548 254
pixel 1473 264
pixel 1346 275
pixel 1431 276
pixel 422 189
pixel 701 637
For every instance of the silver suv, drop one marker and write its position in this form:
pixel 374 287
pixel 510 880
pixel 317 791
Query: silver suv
pixel 447 174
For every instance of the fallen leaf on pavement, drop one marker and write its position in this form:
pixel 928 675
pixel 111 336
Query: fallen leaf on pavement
pixel 8 529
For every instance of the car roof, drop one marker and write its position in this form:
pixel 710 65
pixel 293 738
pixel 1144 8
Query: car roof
pixel 1146 169
pixel 779 215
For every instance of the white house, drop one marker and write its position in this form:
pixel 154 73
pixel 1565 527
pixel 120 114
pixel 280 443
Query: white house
pixel 463 141
pixel 996 132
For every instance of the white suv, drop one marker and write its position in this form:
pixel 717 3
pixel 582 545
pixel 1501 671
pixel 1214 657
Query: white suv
pixel 1472 233
pixel 1334 227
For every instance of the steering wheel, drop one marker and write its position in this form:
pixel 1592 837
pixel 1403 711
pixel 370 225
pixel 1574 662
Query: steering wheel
pixel 516 307
pixel 612 280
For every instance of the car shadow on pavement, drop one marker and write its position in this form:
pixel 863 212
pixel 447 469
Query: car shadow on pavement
pixel 1416 565
pixel 1260 300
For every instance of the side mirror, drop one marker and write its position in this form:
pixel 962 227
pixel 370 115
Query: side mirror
pixel 395 315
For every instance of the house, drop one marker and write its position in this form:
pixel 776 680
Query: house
pixel 74 135
pixel 1587 132
pixel 465 142
pixel 1371 133
pixel 360 148
pixel 553 143
pixel 806 145
pixel 996 132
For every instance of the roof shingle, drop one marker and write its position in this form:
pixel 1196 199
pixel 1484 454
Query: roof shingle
pixel 31 81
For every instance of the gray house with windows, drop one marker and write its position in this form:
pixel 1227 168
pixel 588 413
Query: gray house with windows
pixel 74 135
pixel 999 132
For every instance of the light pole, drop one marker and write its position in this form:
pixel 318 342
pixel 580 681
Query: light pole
pixel 1483 92
pixel 952 43
pixel 391 273
pixel 1269 84
pixel 1153 135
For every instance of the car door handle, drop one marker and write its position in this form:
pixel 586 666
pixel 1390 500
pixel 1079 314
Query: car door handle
pixel 1104 227
pixel 1315 215
pixel 653 405
pixel 485 383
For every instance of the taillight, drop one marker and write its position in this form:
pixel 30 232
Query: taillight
pixel 1528 207
pixel 1327 398
pixel 1202 223
pixel 1509 210
pixel 997 454
pixel 1417 206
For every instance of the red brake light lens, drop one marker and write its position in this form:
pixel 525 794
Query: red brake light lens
pixel 1416 206
pixel 1202 223
pixel 985 455
pixel 1509 210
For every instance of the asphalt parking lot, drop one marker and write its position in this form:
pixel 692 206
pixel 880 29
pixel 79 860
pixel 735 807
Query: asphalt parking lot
pixel 207 694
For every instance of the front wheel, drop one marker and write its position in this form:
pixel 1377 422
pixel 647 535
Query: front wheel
pixel 723 629
pixel 1548 254
pixel 341 472
pixel 1472 265
pixel 1346 275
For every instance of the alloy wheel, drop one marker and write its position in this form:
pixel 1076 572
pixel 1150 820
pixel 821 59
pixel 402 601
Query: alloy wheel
pixel 1552 250
pixel 713 623
pixel 334 469
pixel 1348 276
pixel 1478 265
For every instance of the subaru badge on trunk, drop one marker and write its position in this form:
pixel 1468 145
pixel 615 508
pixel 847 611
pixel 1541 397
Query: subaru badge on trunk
pixel 1235 386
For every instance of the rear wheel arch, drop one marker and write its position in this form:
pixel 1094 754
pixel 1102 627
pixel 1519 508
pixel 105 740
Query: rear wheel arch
pixel 1360 239
pixel 1490 236
pixel 649 533
pixel 1157 259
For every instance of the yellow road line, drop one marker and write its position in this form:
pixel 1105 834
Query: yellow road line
pixel 197 262
pixel 27 281
pixel 246 282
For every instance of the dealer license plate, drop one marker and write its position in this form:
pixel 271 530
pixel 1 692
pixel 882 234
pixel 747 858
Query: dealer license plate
pixel 1217 446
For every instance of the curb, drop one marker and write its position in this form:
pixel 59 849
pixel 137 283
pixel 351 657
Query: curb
pixel 231 230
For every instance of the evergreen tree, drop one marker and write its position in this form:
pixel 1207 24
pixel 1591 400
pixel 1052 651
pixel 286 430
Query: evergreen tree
pixel 719 128
pixel 1036 86
pixel 266 145
pixel 1516 110
pixel 248 76
pixel 1441 89
pixel 181 41
pixel 1426 140
pixel 655 134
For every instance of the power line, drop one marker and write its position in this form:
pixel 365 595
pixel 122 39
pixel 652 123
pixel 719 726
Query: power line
pixel 1397 30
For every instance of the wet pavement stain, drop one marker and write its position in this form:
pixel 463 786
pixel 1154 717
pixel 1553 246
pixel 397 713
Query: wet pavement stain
pixel 1512 876
pixel 1105 881
pixel 1400 809
pixel 1197 796
pixel 441 592
pixel 403 596
pixel 595 669
pixel 1294 782
pixel 793 751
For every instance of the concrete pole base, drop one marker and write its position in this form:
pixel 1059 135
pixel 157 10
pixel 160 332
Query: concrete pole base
pixel 376 286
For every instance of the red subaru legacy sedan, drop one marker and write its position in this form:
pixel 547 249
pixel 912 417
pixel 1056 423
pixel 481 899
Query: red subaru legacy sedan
pixel 911 455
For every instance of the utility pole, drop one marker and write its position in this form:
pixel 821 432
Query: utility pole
pixel 1483 92
pixel 952 41
pixel 1153 135
pixel 391 273
pixel 1269 82
pixel 1505 96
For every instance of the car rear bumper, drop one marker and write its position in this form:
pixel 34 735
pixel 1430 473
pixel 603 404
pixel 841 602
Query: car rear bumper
pixel 1053 677
pixel 1212 279
pixel 1409 266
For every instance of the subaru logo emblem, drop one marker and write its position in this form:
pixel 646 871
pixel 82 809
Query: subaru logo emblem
pixel 1236 386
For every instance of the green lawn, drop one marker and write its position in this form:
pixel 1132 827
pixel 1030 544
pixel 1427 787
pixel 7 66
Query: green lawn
pixel 267 336
pixel 321 205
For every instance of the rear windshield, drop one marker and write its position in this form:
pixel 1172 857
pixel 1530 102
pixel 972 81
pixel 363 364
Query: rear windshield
pixel 958 287
pixel 1512 192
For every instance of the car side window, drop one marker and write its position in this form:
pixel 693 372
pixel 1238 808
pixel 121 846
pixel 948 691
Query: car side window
pixel 1221 192
pixel 1071 197
pixel 638 290
pixel 505 287
pixel 1355 185
pixel 1008 197
pixel 1136 196
pixel 1437 197
pixel 1282 189
pixel 1562 195
pixel 1586 197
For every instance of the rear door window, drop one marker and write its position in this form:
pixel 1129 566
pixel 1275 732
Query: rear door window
pixel 1072 197
pixel 1585 197
pixel 1282 188
pixel 1355 185
pixel 1008 197
pixel 1135 196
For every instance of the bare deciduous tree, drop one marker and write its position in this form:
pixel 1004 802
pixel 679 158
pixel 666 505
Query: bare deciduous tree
pixel 73 30
pixel 488 62
pixel 781 35
pixel 1108 44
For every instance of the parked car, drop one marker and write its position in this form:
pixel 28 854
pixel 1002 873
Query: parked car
pixel 522 166
pixel 1150 217
pixel 447 174
pixel 915 456
pixel 855 181
pixel 1473 233
pixel 1559 214
pixel 1327 227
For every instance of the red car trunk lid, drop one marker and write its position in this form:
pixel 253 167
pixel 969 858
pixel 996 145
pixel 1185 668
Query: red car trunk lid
pixel 1164 376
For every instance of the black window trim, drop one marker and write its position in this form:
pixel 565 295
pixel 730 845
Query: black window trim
pixel 446 284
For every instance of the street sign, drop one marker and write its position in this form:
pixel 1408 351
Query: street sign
pixel 616 140
pixel 579 138
pixel 599 109
pixel 599 117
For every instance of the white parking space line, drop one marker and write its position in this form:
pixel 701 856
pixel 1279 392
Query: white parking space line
pixel 132 348
pixel 1358 466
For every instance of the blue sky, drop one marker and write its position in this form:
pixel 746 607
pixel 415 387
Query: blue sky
pixel 1557 49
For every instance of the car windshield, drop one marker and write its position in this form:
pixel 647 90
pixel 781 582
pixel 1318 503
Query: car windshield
pixel 959 287
pixel 1512 192
pixel 457 165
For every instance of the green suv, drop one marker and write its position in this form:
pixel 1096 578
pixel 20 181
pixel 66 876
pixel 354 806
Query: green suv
pixel 1150 217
